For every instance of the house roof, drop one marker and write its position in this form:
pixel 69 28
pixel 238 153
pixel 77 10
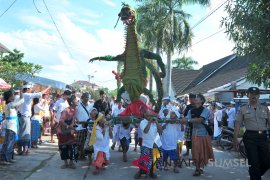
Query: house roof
pixel 85 83
pixel 3 48
pixel 218 73
pixel 182 78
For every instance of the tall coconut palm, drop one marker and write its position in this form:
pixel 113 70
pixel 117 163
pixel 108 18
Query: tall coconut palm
pixel 184 63
pixel 166 28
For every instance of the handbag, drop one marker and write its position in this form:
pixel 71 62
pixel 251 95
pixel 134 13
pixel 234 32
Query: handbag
pixel 208 129
pixel 85 124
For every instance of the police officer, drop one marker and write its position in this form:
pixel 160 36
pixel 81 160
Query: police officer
pixel 255 118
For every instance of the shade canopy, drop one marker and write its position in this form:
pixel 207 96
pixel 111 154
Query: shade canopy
pixel 4 84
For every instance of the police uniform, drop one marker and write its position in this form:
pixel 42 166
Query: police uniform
pixel 255 138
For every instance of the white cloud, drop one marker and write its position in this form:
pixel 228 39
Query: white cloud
pixel 47 49
pixel 88 22
pixel 109 2
pixel 36 22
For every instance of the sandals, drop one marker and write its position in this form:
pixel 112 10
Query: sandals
pixel 153 176
pixel 64 166
pixel 176 171
pixel 166 168
pixel 72 166
pixel 137 175
pixel 201 171
pixel 197 172
pixel 95 172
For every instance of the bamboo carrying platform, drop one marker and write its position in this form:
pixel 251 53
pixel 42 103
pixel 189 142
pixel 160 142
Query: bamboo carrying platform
pixel 134 120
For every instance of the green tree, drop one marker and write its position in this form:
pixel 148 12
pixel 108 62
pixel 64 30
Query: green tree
pixel 248 25
pixel 184 63
pixel 165 27
pixel 13 68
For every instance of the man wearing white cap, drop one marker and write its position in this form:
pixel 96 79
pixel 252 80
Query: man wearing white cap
pixel 165 104
pixel 231 114
pixel 25 110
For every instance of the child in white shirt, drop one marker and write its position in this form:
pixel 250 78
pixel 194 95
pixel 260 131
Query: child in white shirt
pixel 125 138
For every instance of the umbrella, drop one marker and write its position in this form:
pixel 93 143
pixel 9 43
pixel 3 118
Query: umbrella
pixel 4 85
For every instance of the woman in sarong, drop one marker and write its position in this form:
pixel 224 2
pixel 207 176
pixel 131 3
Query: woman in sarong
pixel 202 151
pixel 10 125
pixel 36 122
pixel 66 134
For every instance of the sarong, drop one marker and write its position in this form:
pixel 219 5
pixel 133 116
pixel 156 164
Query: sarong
pixel 24 131
pixel 202 151
pixel 35 130
pixel 8 146
pixel 145 151
pixel 69 152
pixel 81 137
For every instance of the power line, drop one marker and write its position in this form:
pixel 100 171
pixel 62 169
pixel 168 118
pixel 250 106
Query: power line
pixel 208 15
pixel 207 37
pixel 59 33
pixel 8 8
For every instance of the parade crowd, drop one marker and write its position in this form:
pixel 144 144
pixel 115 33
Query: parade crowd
pixel 85 129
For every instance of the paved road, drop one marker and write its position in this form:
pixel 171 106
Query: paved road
pixel 44 163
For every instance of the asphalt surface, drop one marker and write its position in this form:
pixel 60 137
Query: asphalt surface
pixel 44 163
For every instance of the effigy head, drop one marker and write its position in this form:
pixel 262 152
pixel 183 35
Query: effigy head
pixel 127 14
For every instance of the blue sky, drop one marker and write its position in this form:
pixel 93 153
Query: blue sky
pixel 88 29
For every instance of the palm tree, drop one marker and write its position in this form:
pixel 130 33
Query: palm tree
pixel 184 63
pixel 166 28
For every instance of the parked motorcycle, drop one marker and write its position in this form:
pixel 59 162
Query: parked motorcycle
pixel 226 139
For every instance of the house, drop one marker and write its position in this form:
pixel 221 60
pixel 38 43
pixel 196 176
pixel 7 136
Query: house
pixel 84 85
pixel 3 49
pixel 228 73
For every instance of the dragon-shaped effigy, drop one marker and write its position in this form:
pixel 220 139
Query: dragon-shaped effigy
pixel 134 76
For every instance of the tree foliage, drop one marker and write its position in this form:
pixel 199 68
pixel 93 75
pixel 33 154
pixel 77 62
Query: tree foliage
pixel 184 63
pixel 164 26
pixel 248 25
pixel 13 68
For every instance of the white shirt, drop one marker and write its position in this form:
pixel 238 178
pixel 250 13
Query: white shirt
pixel 125 132
pixel 10 111
pixel 25 108
pixel 217 117
pixel 59 106
pixel 169 137
pixel 102 142
pixel 45 105
pixel 82 115
pixel 231 116
pixel 37 109
pixel 152 136
pixel 116 111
